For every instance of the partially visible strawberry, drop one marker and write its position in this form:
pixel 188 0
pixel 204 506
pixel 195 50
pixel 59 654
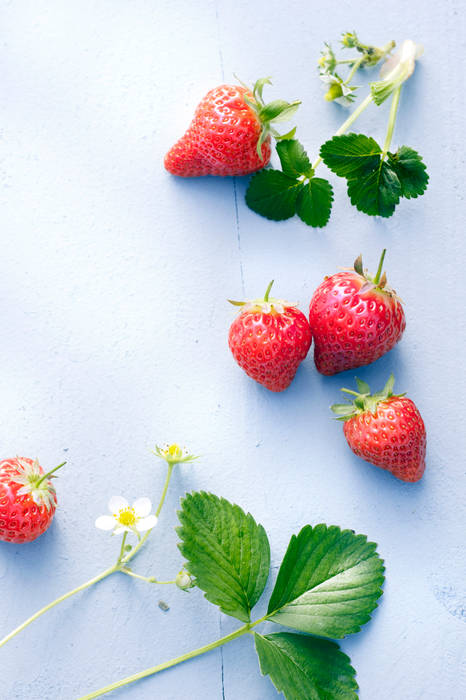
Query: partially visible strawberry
pixel 355 319
pixel 229 134
pixel 27 499
pixel 385 429
pixel 269 339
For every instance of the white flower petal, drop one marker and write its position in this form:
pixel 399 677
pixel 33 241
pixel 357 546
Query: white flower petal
pixel 407 55
pixel 117 503
pixel 121 528
pixel 146 523
pixel 105 522
pixel 327 78
pixel 142 507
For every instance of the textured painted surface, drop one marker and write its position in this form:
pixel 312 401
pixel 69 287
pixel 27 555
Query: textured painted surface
pixel 113 287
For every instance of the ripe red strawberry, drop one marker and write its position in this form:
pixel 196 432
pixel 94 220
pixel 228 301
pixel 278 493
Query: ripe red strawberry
pixel 230 133
pixel 385 429
pixel 355 319
pixel 27 499
pixel 269 339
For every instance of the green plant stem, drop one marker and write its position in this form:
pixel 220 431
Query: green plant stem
pixel 346 124
pixel 379 269
pixel 121 561
pixel 148 579
pixel 353 70
pixel 122 548
pixel 391 121
pixel 51 605
pixel 143 539
pixel 168 664
pixel 49 474
pixel 267 292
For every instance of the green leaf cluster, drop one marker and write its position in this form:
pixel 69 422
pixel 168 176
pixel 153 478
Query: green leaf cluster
pixel 328 585
pixel 376 181
pixel 280 194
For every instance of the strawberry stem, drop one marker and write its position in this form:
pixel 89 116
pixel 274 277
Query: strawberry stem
pixel 266 295
pixel 47 476
pixel 379 269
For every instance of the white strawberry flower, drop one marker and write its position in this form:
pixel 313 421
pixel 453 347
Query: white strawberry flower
pixel 396 70
pixel 338 91
pixel 125 518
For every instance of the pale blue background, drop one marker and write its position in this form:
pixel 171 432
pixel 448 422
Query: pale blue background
pixel 114 326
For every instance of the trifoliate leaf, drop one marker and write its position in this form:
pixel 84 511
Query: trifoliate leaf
pixel 226 551
pixel 351 155
pixel 293 158
pixel 410 170
pixel 273 194
pixel 306 668
pixel 328 583
pixel 314 202
pixel 377 192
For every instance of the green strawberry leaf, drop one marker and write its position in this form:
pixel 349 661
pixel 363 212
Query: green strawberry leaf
pixel 226 551
pixel 410 170
pixel 306 668
pixel 328 583
pixel 351 155
pixel 314 202
pixel 293 158
pixel 273 194
pixel 376 192
pixel 283 137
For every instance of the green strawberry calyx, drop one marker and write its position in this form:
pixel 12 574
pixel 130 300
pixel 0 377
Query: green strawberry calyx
pixel 272 112
pixel 364 401
pixel 36 484
pixel 378 281
pixel 266 305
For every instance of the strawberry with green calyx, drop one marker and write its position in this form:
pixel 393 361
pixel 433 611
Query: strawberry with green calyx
pixel 385 429
pixel 355 319
pixel 269 339
pixel 230 132
pixel 27 499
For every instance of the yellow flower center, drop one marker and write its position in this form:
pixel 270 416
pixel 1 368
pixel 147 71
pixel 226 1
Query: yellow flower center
pixel 174 452
pixel 126 516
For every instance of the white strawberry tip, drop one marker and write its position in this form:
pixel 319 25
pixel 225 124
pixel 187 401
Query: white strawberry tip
pixel 273 306
pixel 136 518
pixel 36 484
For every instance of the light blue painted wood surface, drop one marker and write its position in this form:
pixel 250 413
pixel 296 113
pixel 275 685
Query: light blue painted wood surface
pixel 114 319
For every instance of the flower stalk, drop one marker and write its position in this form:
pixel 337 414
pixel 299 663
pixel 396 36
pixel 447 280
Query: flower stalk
pixel 173 455
pixel 168 664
